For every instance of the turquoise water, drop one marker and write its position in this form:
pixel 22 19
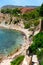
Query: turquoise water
pixel 9 40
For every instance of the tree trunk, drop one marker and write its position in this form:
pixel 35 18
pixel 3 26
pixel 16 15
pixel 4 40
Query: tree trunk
pixel 41 25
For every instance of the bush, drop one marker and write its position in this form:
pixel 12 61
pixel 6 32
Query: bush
pixel 36 22
pixel 18 60
pixel 27 25
pixel 16 21
pixel 40 53
pixel 8 11
pixel 37 47
pixel 14 11
pixel 41 62
pixel 31 29
pixel 37 43
pixel 31 15
pixel 31 23
pixel 32 49
pixel 41 10
pixel 40 56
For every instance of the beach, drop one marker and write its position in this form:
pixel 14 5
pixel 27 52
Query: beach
pixel 25 45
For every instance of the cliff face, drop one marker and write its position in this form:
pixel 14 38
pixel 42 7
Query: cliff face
pixel 7 18
pixel 4 17
pixel 1 17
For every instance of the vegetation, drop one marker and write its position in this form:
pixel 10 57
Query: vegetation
pixel 37 43
pixel 18 60
pixel 31 15
pixel 40 56
pixel 8 11
pixel 41 11
pixel 31 23
pixel 31 18
pixel 28 16
pixel 16 21
pixel 14 12
pixel 37 47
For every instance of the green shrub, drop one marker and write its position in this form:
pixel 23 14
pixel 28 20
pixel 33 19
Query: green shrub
pixel 36 22
pixel 31 29
pixel 31 15
pixel 41 62
pixel 40 56
pixel 18 60
pixel 40 53
pixel 7 10
pixel 37 47
pixel 31 23
pixel 27 25
pixel 37 42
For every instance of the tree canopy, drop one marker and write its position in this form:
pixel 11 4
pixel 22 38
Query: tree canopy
pixel 14 11
pixel 41 10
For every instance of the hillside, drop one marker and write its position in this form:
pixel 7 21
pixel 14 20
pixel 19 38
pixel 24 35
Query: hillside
pixel 11 6
pixel 15 6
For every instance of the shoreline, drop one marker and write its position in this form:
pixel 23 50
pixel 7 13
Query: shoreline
pixel 16 49
pixel 23 47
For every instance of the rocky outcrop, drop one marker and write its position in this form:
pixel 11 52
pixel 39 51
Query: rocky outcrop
pixel 4 17
pixel 35 60
pixel 27 60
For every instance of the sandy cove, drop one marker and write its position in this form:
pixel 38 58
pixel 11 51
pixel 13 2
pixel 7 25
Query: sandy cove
pixel 24 47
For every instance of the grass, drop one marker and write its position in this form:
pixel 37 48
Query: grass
pixel 18 60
